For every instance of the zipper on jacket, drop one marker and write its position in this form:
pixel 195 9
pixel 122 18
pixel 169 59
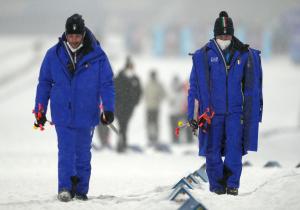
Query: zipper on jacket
pixel 74 61
pixel 70 56
pixel 226 68
pixel 242 95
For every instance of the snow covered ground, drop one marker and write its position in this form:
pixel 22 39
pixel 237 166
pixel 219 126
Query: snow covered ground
pixel 28 169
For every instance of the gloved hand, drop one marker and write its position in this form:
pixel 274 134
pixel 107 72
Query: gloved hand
pixel 193 124
pixel 107 117
pixel 40 119
pixel 202 122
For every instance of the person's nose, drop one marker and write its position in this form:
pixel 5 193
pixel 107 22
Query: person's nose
pixel 73 39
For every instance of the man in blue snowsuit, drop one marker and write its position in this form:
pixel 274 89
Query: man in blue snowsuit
pixel 226 79
pixel 76 76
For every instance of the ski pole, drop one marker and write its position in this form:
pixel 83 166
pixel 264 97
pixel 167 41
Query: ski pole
pixel 111 126
pixel 182 125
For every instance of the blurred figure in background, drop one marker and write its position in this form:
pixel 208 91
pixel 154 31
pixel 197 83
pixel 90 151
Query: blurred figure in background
pixel 104 134
pixel 176 100
pixel 189 134
pixel 128 93
pixel 154 94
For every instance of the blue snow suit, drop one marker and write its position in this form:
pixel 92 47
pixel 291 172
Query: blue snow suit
pixel 233 90
pixel 74 101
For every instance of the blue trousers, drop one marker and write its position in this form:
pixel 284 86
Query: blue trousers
pixel 225 137
pixel 74 157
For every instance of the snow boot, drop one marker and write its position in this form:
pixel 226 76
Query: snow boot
pixel 64 196
pixel 232 191
pixel 219 191
pixel 81 197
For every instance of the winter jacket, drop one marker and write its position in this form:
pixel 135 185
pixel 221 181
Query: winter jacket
pixel 154 94
pixel 128 93
pixel 236 88
pixel 75 97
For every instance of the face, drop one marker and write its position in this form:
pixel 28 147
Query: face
pixel 74 39
pixel 224 37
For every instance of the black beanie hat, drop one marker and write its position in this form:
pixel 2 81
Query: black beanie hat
pixel 223 25
pixel 75 25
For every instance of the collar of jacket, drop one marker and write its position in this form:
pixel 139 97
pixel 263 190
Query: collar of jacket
pixel 95 54
pixel 239 48
pixel 94 50
pixel 237 45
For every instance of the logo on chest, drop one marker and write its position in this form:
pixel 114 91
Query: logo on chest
pixel 214 59
pixel 86 65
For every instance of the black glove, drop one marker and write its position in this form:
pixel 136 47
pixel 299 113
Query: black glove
pixel 40 119
pixel 107 117
pixel 193 124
